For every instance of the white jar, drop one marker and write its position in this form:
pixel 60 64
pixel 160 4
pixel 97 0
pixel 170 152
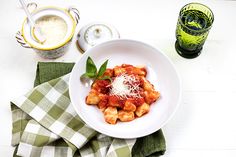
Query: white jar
pixel 52 50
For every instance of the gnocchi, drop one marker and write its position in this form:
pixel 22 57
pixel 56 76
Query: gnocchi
pixel 128 96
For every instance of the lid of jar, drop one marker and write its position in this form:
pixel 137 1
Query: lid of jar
pixel 95 33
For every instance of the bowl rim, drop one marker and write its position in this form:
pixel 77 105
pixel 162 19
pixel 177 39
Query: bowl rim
pixel 150 131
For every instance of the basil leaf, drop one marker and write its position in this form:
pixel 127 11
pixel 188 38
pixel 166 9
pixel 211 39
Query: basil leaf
pixel 88 75
pixel 91 67
pixel 84 76
pixel 106 78
pixel 102 69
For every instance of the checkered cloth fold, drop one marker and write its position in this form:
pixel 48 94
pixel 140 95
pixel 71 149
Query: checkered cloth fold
pixel 46 124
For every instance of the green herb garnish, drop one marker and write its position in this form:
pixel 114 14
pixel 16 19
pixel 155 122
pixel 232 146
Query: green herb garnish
pixel 91 70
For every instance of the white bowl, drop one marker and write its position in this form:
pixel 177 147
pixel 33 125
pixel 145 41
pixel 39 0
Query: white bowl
pixel 161 73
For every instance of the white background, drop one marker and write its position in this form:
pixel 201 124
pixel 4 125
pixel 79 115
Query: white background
pixel 205 123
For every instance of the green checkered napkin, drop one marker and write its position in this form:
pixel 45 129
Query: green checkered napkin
pixel 45 124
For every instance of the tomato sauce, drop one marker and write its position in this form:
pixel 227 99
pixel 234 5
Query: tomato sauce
pixel 116 101
pixel 102 86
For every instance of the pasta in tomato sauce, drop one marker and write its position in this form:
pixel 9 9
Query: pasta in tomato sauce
pixel 127 97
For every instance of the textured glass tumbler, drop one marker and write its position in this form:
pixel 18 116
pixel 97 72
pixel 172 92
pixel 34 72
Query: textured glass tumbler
pixel 194 22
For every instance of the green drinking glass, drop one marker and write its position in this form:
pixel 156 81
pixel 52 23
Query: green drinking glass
pixel 194 22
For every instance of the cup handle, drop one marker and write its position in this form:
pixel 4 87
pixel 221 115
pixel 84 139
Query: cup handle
pixel 75 13
pixel 32 6
pixel 21 40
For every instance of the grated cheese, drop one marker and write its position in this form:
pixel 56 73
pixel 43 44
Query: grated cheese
pixel 125 86
pixel 54 28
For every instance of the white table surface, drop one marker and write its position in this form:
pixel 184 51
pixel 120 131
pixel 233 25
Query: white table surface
pixel 205 123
